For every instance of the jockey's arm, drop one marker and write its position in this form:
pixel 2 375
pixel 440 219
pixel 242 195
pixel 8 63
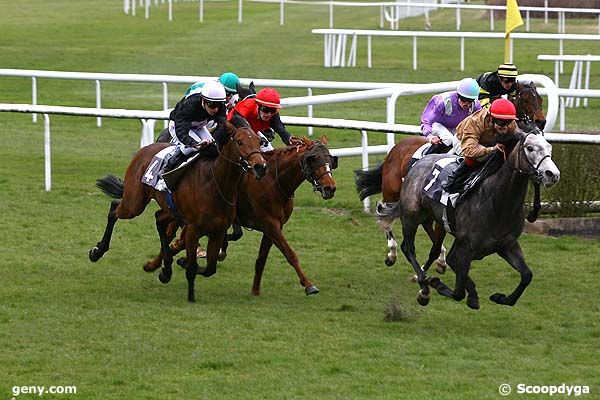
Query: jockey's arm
pixel 471 148
pixel 278 127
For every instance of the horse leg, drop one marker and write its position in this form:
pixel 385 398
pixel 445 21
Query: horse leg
pixel 103 245
pixel 176 247
pixel 273 230
pixel 259 266
pixel 163 222
pixel 514 256
pixel 459 259
pixel 409 230
pixel 215 241
pixel 386 224
pixel 191 245
pixel 433 234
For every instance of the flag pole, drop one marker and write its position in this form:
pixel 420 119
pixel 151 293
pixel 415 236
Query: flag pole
pixel 513 20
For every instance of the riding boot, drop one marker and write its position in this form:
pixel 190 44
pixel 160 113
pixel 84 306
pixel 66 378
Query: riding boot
pixel 438 148
pixel 173 160
pixel 458 178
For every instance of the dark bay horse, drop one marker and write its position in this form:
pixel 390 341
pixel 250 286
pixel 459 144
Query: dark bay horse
pixel 387 177
pixel 267 205
pixel 489 220
pixel 205 199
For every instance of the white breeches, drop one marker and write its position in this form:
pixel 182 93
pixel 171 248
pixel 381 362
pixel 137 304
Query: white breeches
pixel 200 135
pixel 443 133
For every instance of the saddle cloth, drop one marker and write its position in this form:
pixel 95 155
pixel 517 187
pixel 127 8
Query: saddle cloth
pixel 434 189
pixel 152 178
pixel 418 155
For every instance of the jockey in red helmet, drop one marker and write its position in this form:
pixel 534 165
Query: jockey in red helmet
pixel 481 133
pixel 262 113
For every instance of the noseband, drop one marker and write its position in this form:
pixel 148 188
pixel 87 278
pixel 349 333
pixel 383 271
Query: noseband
pixel 533 171
pixel 526 118
pixel 307 171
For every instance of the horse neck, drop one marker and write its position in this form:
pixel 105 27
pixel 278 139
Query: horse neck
pixel 226 173
pixel 288 173
pixel 508 188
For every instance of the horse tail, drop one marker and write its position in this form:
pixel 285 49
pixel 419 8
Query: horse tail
pixel 368 182
pixel 111 186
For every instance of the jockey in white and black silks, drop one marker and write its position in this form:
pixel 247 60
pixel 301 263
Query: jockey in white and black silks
pixel 497 84
pixel 191 118
pixel 230 82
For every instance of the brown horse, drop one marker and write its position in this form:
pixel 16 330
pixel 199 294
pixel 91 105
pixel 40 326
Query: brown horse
pixel 387 177
pixel 204 200
pixel 266 205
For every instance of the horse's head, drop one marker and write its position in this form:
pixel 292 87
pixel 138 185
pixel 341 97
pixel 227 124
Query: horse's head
pixel 534 158
pixel 317 164
pixel 528 103
pixel 246 147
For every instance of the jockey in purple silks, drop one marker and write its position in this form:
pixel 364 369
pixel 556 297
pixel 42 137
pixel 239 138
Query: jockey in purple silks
pixel 445 111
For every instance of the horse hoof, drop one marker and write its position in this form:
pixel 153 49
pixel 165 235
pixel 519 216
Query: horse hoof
pixel 164 277
pixel 312 289
pixel 181 262
pixel 473 302
pixel 440 268
pixel 94 254
pixel 421 299
pixel 389 262
pixel 222 255
pixel 498 298
pixel 150 267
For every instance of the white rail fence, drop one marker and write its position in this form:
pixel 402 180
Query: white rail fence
pixel 336 40
pixel 391 11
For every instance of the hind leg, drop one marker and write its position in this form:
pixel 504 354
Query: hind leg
pixel 433 233
pixel 386 223
pixel 409 230
pixel 103 245
pixel 176 247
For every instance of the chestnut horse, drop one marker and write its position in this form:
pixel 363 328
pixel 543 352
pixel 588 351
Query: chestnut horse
pixel 266 205
pixel 387 177
pixel 204 200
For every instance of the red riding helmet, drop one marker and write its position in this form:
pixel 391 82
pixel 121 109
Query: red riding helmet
pixel 268 97
pixel 503 109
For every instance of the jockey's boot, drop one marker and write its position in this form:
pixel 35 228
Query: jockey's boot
pixel 173 160
pixel 457 180
pixel 438 148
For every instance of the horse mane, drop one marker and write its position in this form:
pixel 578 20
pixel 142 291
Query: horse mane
pixel 283 151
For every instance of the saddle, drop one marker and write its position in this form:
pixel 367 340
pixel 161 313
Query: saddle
pixel 169 180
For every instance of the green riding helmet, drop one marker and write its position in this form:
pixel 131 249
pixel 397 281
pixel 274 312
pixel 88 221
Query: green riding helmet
pixel 230 81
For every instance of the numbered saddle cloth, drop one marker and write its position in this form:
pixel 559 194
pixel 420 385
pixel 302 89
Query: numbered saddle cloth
pixel 152 178
pixel 434 189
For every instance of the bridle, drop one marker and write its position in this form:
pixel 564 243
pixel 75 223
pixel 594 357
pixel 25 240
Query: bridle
pixel 523 116
pixel 307 171
pixel 533 171
pixel 242 161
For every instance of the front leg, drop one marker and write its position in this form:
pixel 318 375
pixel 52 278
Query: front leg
pixel 514 256
pixel 215 241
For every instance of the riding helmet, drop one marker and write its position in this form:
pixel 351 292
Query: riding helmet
pixel 230 81
pixel 468 88
pixel 213 91
pixel 508 71
pixel 268 97
pixel 503 109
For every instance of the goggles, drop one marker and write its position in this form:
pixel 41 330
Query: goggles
pixel 502 122
pixel 267 110
pixel 213 104
pixel 465 99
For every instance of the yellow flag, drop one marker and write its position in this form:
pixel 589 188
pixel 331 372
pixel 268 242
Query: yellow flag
pixel 513 16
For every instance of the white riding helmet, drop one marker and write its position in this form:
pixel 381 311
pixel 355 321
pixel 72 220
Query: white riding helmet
pixel 213 91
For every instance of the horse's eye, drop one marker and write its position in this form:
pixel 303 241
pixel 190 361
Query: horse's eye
pixel 239 142
pixel 530 148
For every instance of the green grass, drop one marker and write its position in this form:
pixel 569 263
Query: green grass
pixel 115 332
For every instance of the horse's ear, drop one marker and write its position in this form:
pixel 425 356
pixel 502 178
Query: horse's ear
pixel 252 88
pixel 324 139
pixel 334 162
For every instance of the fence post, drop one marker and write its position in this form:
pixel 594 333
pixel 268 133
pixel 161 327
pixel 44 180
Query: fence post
pixel 47 154
pixel 365 162
pixel 34 97
pixel 98 103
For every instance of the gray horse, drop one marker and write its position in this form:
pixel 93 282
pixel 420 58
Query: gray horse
pixel 489 220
